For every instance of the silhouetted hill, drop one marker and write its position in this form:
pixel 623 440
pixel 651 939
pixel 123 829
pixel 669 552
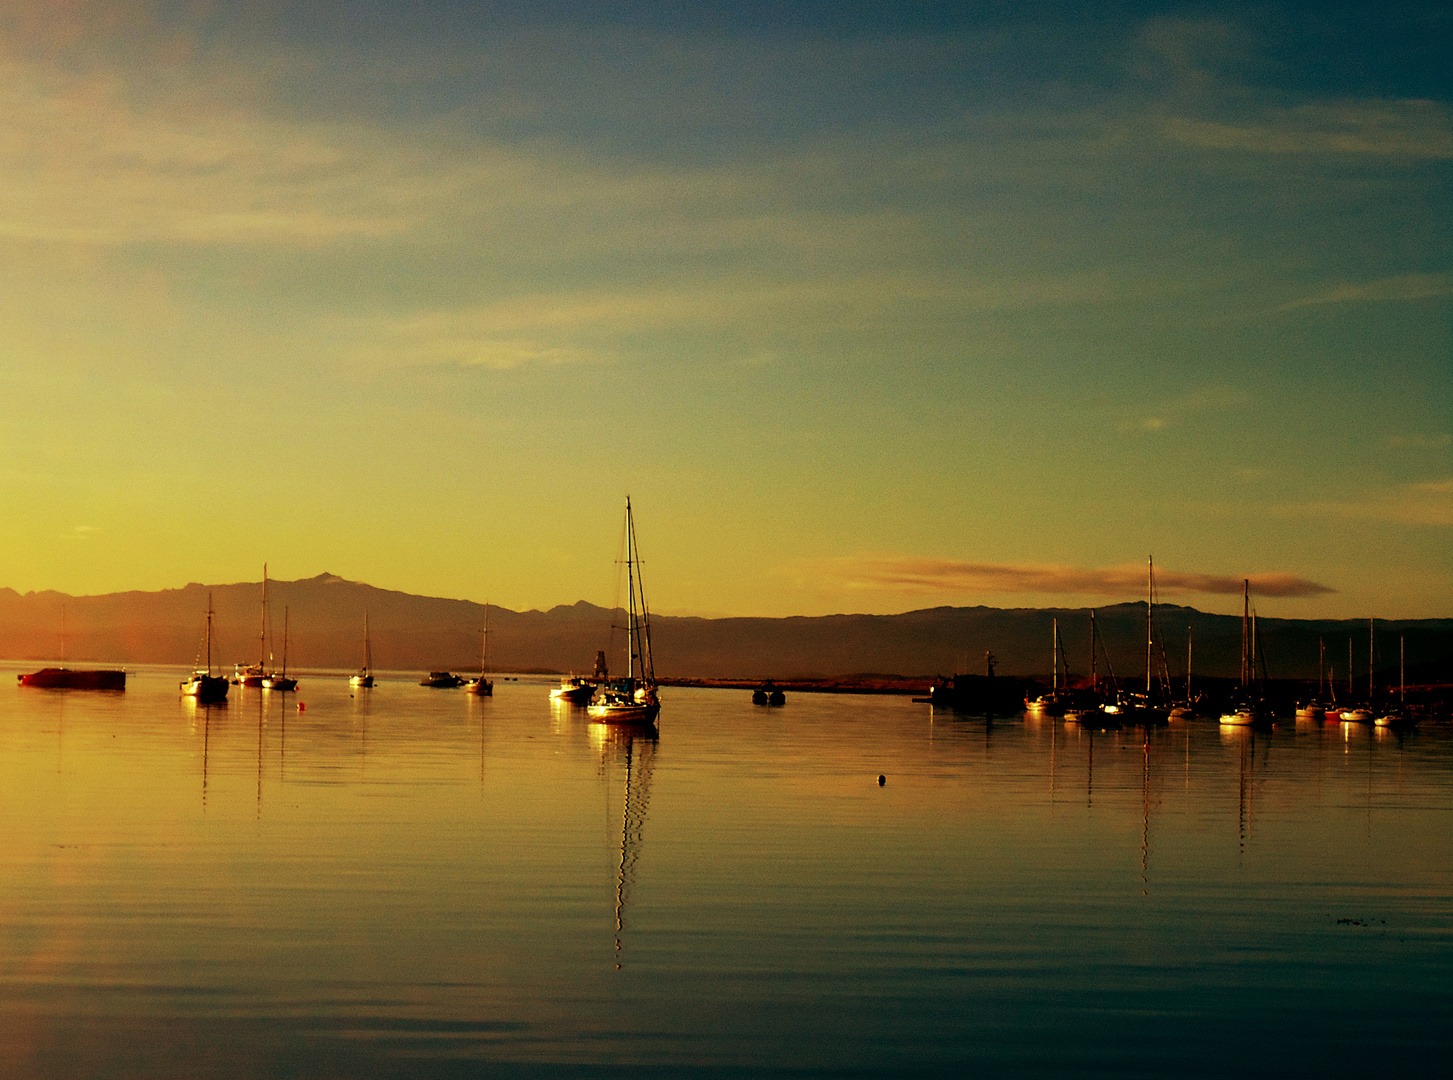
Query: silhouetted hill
pixel 421 632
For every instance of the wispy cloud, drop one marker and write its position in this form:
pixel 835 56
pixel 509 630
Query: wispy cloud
pixel 1420 442
pixel 1428 503
pixel 1204 399
pixel 587 324
pixel 1404 287
pixel 1411 129
pixel 908 574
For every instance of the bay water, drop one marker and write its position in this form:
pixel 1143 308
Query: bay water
pixel 418 883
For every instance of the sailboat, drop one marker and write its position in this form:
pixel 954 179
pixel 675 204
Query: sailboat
pixel 631 700
pixel 1395 716
pixel 364 678
pixel 253 674
pixel 482 685
pixel 1249 710
pixel 279 680
pixel 1137 708
pixel 1053 703
pixel 207 688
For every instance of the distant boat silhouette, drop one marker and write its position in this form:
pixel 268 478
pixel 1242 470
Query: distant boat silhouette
pixel 482 686
pixel 64 678
pixel 207 688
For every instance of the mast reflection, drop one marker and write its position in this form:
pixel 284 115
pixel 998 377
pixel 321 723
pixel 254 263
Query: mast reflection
pixel 634 747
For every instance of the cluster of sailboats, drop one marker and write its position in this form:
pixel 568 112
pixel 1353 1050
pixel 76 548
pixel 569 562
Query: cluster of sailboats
pixel 1105 703
pixel 630 700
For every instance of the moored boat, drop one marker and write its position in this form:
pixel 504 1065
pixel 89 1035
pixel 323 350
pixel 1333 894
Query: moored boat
pixel 253 674
pixel 574 690
pixel 63 678
pixel 278 680
pixel 206 688
pixel 441 680
pixel 364 679
pixel 482 686
pixel 631 700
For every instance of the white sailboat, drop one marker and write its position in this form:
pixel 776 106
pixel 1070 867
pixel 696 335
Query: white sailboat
pixel 1249 710
pixel 253 674
pixel 207 688
pixel 364 679
pixel 631 700
pixel 278 680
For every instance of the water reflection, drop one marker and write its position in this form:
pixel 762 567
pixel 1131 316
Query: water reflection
pixel 633 749
pixel 433 881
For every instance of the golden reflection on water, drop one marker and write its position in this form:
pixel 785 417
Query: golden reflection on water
pixel 398 876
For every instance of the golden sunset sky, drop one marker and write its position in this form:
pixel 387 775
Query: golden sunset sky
pixel 869 307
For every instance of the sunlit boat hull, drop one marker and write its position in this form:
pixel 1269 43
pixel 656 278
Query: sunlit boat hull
pixel 624 713
pixel 361 682
pixel 279 682
pixel 574 692
pixel 480 687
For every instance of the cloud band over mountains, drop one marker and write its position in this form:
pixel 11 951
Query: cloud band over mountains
pixel 922 575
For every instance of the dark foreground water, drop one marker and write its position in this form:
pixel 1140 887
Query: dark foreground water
pixel 415 883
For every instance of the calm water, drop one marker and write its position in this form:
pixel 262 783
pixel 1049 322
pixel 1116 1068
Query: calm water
pixel 415 883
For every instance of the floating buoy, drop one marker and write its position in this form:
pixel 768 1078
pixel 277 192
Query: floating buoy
pixel 882 779
pixel 302 706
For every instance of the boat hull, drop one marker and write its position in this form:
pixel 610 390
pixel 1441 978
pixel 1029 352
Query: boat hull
pixel 480 687
pixel 207 689
pixel 279 682
pixel 575 694
pixel 618 713
pixel 362 682
pixel 67 679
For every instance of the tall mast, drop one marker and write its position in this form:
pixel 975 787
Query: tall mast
pixel 1349 667
pixel 1370 659
pixel 1189 632
pixel 1253 644
pixel 285 641
pixel 209 635
pixel 367 651
pixel 262 631
pixel 1245 632
pixel 1402 667
pixel 1321 664
pixel 1149 623
pixel 631 630
pixel 1094 675
pixel 484 644
pixel 1054 678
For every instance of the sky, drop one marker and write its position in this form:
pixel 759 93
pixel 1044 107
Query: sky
pixel 868 307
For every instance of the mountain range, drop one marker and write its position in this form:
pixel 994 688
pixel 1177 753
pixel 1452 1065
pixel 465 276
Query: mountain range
pixel 408 632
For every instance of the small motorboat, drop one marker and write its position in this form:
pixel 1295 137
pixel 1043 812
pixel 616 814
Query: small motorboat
pixel 441 680
pixel 574 690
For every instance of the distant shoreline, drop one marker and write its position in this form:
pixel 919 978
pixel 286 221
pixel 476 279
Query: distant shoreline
pixel 868 684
